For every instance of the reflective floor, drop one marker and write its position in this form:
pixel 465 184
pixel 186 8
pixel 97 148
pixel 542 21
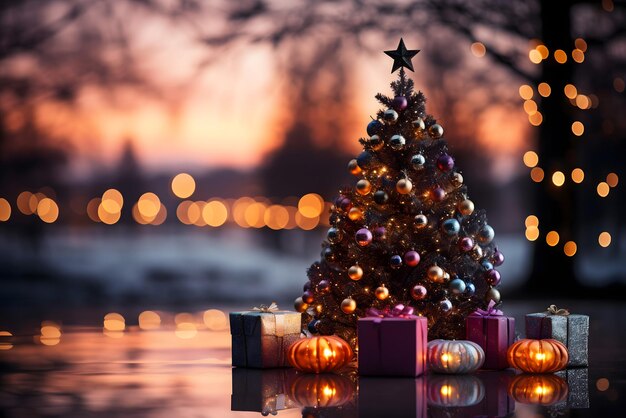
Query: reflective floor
pixel 184 371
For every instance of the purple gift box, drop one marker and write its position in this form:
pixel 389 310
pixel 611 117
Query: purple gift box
pixel 494 332
pixel 392 343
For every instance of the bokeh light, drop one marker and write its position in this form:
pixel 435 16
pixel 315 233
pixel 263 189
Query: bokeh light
pixel 239 211
pixel 306 223
pixel 478 49
pixel 560 56
pixel 603 189
pixel 578 175
pixel 182 212
pixel 276 217
pixel 92 209
pixel 254 215
pixel 558 178
pixel 530 107
pixel 149 205
pixel 48 210
pixel 5 210
pixel 114 322
pixel 183 185
pixel 186 330
pixel 5 344
pixel 578 55
pixel 112 201
pixel 543 50
pixel 531 159
pixel 535 119
pixel 578 128
pixel 583 102
pixel 602 384
pixel 552 238
pixel 23 203
pixel 215 320
pixel 215 213
pixel 532 233
pixel 534 56
pixel 612 179
pixel 570 248
pixel 149 320
pixel 526 92
pixel 581 44
pixel 570 91
pixel 604 239
pixel 544 89
pixel 311 205
pixel 536 174
pixel 531 220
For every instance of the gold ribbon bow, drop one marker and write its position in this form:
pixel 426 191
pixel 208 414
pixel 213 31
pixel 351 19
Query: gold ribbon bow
pixel 553 310
pixel 264 308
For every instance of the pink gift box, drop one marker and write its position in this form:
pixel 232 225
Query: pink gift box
pixel 494 333
pixel 392 346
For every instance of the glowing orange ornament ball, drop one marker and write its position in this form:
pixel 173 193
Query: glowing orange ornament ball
pixel 319 354
pixel 537 356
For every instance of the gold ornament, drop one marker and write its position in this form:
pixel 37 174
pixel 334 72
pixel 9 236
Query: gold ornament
pixel 319 354
pixel 381 293
pixel 404 186
pixel 457 179
pixel 435 131
pixel 537 356
pixel 355 273
pixel 418 125
pixel 446 276
pixel 466 207
pixel 354 168
pixel 436 274
pixel 363 187
pixel 492 294
pixel 318 308
pixel 355 214
pixel 348 306
pixel 376 143
pixel 300 305
pixel 477 252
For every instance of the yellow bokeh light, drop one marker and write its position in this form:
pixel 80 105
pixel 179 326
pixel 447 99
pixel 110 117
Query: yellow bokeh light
pixel 531 220
pixel 215 320
pixel 578 55
pixel 149 205
pixel 532 233
pixel 239 211
pixel 530 107
pixel 215 213
pixel 535 119
pixel 612 179
pixel 543 50
pixel 560 56
pixel 255 215
pixel 570 91
pixel 570 248
pixel 531 159
pixel 578 175
pixel 604 239
pixel 112 201
pixel 195 213
pixel 581 44
pixel 534 56
pixel 183 317
pixel 544 89
pixel 149 320
pixel 48 210
pixel 306 223
pixel 183 185
pixel 552 238
pixel 583 102
pixel 5 210
pixel 603 189
pixel 276 217
pixel 311 205
pixel 578 128
pixel 526 92
pixel 107 217
pixel 558 178
pixel 114 322
pixel 536 174
pixel 478 49
pixel 5 345
pixel 182 211
pixel 50 331
pixel 186 330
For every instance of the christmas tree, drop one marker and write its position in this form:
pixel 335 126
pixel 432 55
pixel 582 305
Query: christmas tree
pixel 407 233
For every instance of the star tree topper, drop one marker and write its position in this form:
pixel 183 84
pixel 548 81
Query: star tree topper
pixel 402 56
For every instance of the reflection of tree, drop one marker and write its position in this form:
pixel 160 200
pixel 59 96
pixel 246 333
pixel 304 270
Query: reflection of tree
pixel 506 29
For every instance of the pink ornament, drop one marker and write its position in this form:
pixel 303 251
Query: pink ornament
pixel 466 244
pixel 445 162
pixel 411 258
pixel 438 194
pixel 363 237
pixel 497 258
pixel 418 292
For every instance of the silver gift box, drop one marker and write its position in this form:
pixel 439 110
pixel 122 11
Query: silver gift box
pixel 571 330
pixel 261 339
pixel 578 387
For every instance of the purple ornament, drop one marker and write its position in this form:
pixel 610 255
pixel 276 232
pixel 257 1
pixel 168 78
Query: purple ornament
pixel 323 286
pixel 466 244
pixel 399 103
pixel 411 258
pixel 363 237
pixel 497 258
pixel 345 204
pixel 308 297
pixel 438 194
pixel 418 292
pixel 493 277
pixel 445 162
pixel 380 233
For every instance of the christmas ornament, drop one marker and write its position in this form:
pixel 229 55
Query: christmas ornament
pixel 308 297
pixel 454 357
pixel 355 214
pixel 438 194
pixel 395 261
pixel 457 179
pixel 381 293
pixel 418 125
pixel 492 295
pixel 323 286
pixel 380 233
pixel 348 306
pixel 435 274
pixel 363 237
pixel 326 390
pixel 435 131
pixel 353 167
pixel 445 305
pixel 374 127
pixel 376 143
pixel 329 255
pixel 497 258
pixel 355 272
pixel 418 161
pixel 445 162
pixel 477 252
pixel 313 326
pixel 466 244
pixel 399 103
pixel 418 292
pixel 402 56
pixel 363 187
pixel 364 159
pixel 538 389
pixel 404 186
pixel 485 235
pixel 319 354
pixel 492 277
pixel 457 286
pixel 390 116
pixel 466 207
pixel 486 265
pixel 300 305
pixel 397 142
pixel 333 235
pixel 470 289
pixel 451 227
pixel 381 197
pixel 411 258
pixel 537 356
pixel 453 391
pixel 420 221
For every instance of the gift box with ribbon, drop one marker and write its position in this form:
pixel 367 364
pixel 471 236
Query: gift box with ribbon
pixel 261 337
pixel 392 342
pixel 494 332
pixel 560 325
pixel 262 391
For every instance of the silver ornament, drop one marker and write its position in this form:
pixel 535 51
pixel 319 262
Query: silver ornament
pixel 397 142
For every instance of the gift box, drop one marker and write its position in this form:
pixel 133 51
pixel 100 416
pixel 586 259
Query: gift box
pixel 497 401
pixel 560 325
pixel 493 332
pixel 392 397
pixel 260 338
pixel 578 387
pixel 261 390
pixel 392 343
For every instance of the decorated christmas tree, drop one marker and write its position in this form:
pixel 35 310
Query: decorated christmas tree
pixel 407 232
